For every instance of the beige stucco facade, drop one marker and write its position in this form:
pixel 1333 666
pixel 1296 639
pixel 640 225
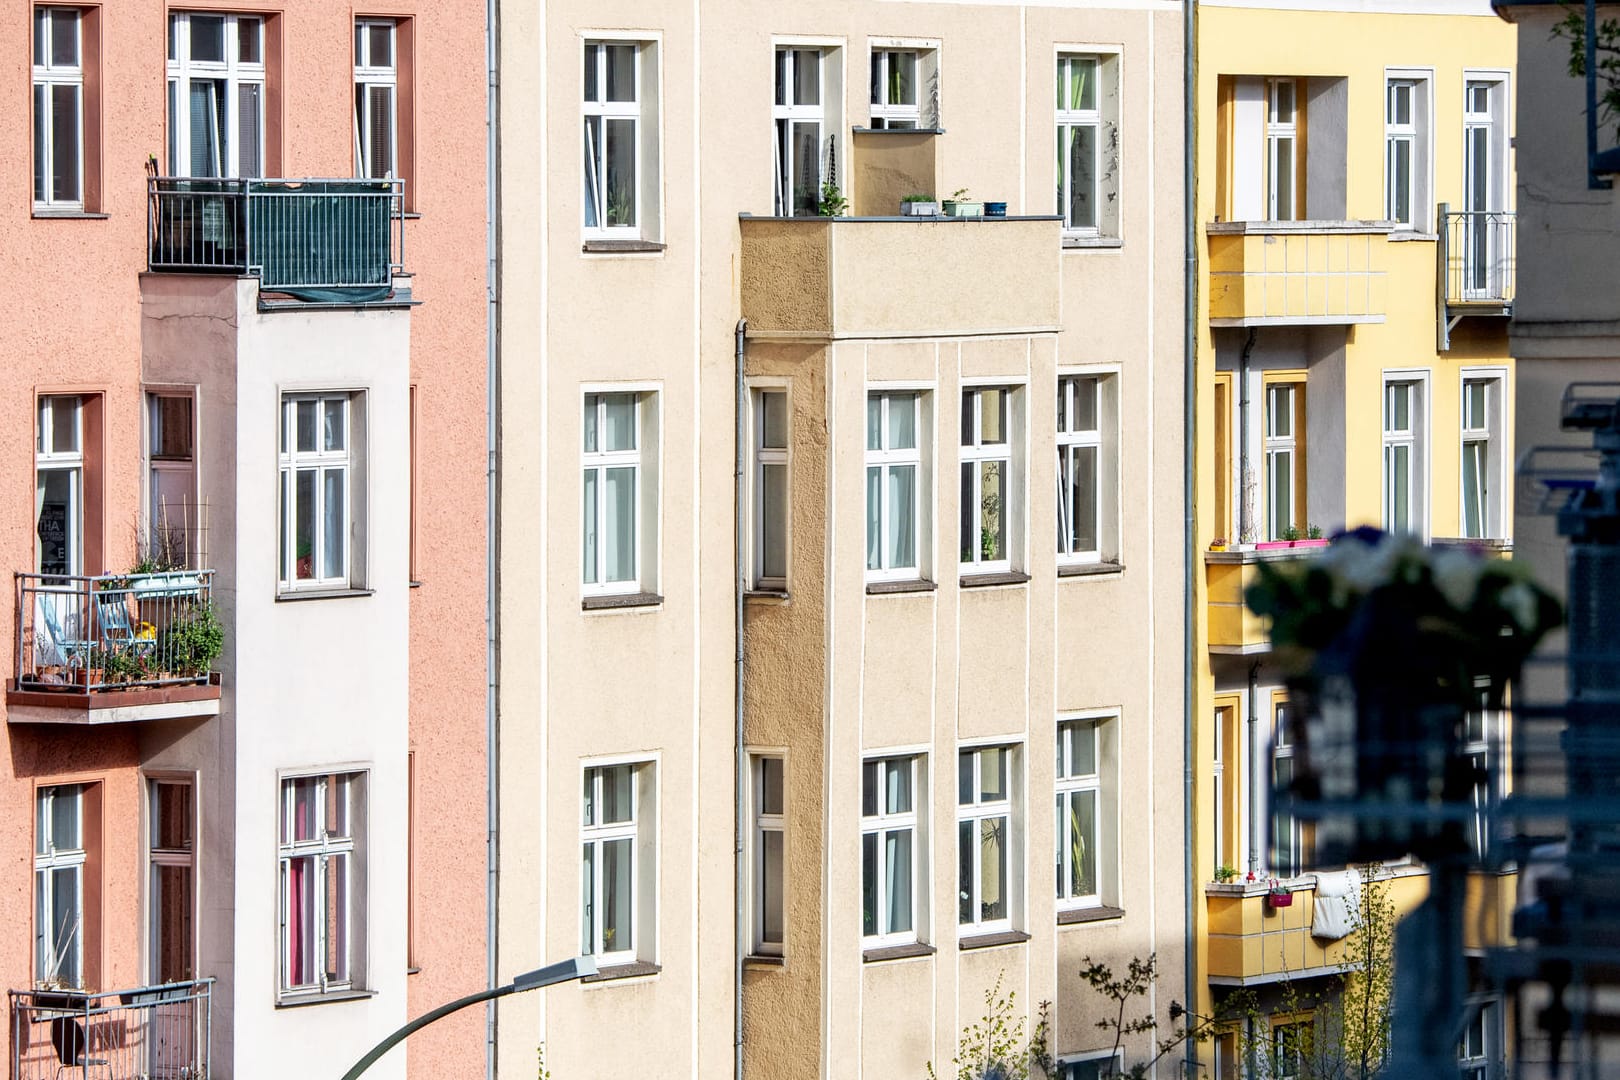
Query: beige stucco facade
pixel 839 670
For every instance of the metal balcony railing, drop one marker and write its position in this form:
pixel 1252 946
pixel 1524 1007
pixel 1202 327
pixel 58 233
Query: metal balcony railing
pixel 292 234
pixel 114 631
pixel 146 1033
pixel 1477 256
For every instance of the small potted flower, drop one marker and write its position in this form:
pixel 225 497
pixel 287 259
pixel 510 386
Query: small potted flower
pixel 1277 894
pixel 1218 544
pixel 919 206
pixel 959 205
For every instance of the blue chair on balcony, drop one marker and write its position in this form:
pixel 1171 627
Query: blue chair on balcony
pixel 67 1036
pixel 117 632
pixel 55 619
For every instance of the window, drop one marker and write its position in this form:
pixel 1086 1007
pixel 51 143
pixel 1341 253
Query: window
pixel 322 867
pixel 1086 448
pixel 1095 1065
pixel 59 887
pixel 1481 457
pixel 1223 457
pixel 1289 841
pixel 619 491
pixel 58 109
pixel 1291 1050
pixel 895 92
pixel 216 94
pixel 376 98
pixel 173 526
pixel 799 114
pixel 1406 149
pixel 770 482
pixel 320 490
pixel 1486 247
pixel 1220 816
pixel 1088 145
pixel 1403 503
pixel 59 486
pixel 615 880
pixel 1285 406
pixel 620 195
pixel 893 484
pixel 1479 1049
pixel 984 837
pixel 769 854
pixel 1483 729
pixel 171 886
pixel 889 870
pixel 1282 154
pixel 1079 791
pixel 987 481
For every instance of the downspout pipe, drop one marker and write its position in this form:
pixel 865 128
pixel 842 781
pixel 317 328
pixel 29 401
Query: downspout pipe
pixel 492 747
pixel 740 586
pixel 1189 450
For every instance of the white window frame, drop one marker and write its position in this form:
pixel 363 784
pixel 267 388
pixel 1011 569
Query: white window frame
pixel 1484 1017
pixel 765 824
pixel 1418 133
pixel 48 75
pixel 1069 783
pixel 886 458
pixel 159 858
pixel 1071 440
pixel 48 859
pixel 972 808
pixel 1414 437
pixel 323 847
pixel 291 461
pixel 65 461
pixel 1288 853
pixel 770 457
pixel 883 824
pixel 786 115
pixel 594 836
pixel 1278 131
pixel 1069 120
pixel 895 115
pixel 1484 263
pixel 644 460
pixel 173 533
pixel 974 452
pixel 594 157
pixel 369 75
pixel 1400 134
pixel 1489 433
pixel 235 73
pixel 1276 445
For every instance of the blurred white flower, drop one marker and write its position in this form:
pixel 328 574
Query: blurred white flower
pixel 1520 601
pixel 1456 575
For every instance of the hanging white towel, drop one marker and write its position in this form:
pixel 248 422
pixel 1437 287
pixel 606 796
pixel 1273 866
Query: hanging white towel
pixel 1338 901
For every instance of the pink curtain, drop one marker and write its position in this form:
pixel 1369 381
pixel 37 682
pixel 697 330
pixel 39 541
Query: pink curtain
pixel 298 944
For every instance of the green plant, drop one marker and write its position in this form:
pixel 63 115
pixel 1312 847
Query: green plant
pixel 918 198
pixel 1125 991
pixel 994 1044
pixel 959 195
pixel 541 1073
pixel 621 204
pixel 1572 28
pixel 1313 532
pixel 1226 873
pixel 193 640
pixel 1290 533
pixel 833 203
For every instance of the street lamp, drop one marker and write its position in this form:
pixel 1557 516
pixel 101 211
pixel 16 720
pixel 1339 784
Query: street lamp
pixel 577 968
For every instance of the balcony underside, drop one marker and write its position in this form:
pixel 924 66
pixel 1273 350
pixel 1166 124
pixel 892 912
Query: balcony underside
pixel 77 707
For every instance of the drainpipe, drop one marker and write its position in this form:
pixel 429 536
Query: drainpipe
pixel 1246 483
pixel 1257 816
pixel 492 745
pixel 1189 451
pixel 739 587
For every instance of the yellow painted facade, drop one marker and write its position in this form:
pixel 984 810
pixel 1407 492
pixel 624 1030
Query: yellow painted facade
pixel 1315 300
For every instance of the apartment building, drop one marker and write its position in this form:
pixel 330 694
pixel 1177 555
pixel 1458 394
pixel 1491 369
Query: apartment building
pixel 1355 209
pixel 245 709
pixel 955 446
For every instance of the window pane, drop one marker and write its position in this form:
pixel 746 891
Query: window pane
pixel 870 787
pixel 993 403
pixel 64 38
pixel 66 924
pixel 1082 835
pixel 1473 455
pixel 773 524
pixel 902 514
pixel 1474 393
pixel 1082 209
pixel 41 171
pixel 380 131
pixel 898 787
pixel 1400 487
pixel 64 425
pixel 617 900
pixel 587 883
pixel 303 811
pixel 1082 749
pixel 172 922
pixel 620 538
pixel 300 901
pixel 589 422
pixel 591 528
pixel 806 178
pixel 874 518
pixel 964 871
pixel 968 501
pixel 1081 496
pixel 207 38
pixel 332 433
pixel 992 510
pixel 618 794
pixel 1283 178
pixel 306 426
pixel 304 523
pixel 619 422
pixel 1400 172
pixel 1398 414
pixel 621 172
pixel 1085 404
pixel 770 795
pixel 771 886
pixel 902 88
pixel 897 874
pixel 773 432
pixel 336 809
pixel 334 526
pixel 621 72
pixel 992 774
pixel 902 422
pixel 337 918
pixel 806 77
pixel 248 39
pixel 592 51
pixel 381 40
pixel 964 778
pixel 64 823
pixel 874 421
pixel 869 884
pixel 992 868
pixel 65 143
pixel 171 816
pixel 1280 400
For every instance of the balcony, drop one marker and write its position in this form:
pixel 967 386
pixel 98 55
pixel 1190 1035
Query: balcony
pixel 825 278
pixel 1478 261
pixel 114 649
pixel 1297 273
pixel 1233 628
pixel 138 1034
pixel 332 240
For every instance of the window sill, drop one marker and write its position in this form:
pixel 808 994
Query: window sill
pixel 299 1001
pixel 910 585
pixel 69 215
pixel 765 594
pixel 1092 243
pixel 981 581
pixel 415 584
pixel 1089 569
pixel 411 215
pixel 620 600
pixel 321 594
pixel 758 960
pixel 620 247
pixel 1402 236
pixel 413 970
pixel 1101 913
pixel 633 970
pixel 898 131
pixel 897 952
pixel 988 941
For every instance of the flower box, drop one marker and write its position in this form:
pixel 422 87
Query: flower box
pixel 1279 898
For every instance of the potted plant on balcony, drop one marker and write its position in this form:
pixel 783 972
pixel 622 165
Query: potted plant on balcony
pixel 958 205
pixel 833 203
pixel 1218 544
pixel 918 206
pixel 995 208
pixel 1225 874
pixel 1278 894
pixel 193 640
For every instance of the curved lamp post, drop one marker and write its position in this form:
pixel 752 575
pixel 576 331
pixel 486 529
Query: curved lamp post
pixel 577 968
